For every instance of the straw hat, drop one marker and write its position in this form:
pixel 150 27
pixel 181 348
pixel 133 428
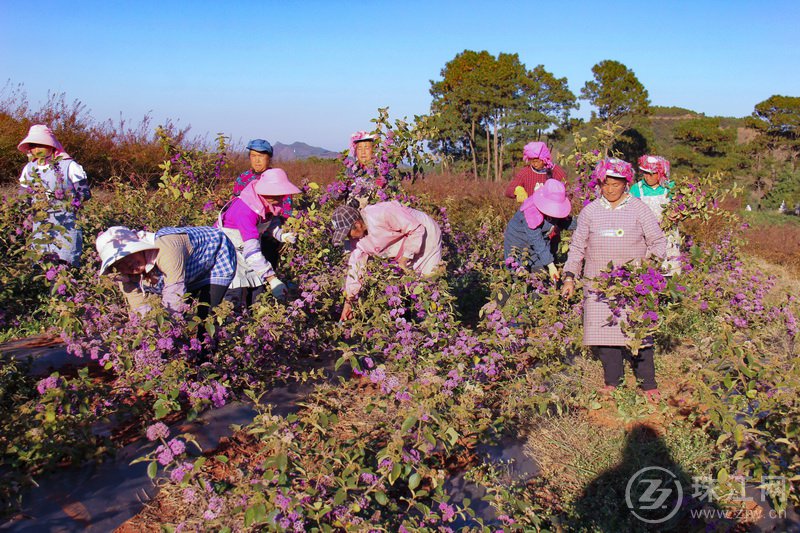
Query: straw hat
pixel 118 242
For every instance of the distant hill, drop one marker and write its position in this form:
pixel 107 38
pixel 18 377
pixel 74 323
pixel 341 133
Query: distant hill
pixel 298 150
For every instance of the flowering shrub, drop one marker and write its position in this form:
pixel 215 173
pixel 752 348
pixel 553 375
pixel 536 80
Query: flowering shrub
pixel 398 156
pixel 697 199
pixel 427 370
pixel 638 297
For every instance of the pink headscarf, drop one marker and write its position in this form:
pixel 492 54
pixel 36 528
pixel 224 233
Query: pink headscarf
pixel 616 168
pixel 538 150
pixel 533 216
pixel 251 198
pixel 655 164
pixel 41 134
pixel 360 135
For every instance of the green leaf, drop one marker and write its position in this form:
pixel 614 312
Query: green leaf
pixel 152 470
pixel 413 481
pixel 408 423
pixel 381 498
pixel 339 497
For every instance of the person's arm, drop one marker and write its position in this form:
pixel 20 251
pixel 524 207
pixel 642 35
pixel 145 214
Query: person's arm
pixel 516 181
pixel 577 247
pixel 255 259
pixel 172 259
pixel 136 298
pixel 539 247
pixel 653 234
pixel 356 264
pixel 79 182
pixel 399 220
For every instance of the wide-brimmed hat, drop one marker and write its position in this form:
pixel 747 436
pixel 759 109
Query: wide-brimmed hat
pixel 551 199
pixel 274 182
pixel 343 219
pixel 40 134
pixel 118 242
pixel 260 145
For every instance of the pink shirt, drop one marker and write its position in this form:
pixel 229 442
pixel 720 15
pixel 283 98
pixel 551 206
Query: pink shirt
pixel 241 217
pixel 393 231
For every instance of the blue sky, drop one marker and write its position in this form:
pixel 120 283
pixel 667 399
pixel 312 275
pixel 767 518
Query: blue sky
pixel 315 71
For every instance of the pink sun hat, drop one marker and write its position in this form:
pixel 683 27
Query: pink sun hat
pixel 275 182
pixel 41 134
pixel 551 199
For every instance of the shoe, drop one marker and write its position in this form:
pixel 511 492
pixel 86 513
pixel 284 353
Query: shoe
pixel 653 395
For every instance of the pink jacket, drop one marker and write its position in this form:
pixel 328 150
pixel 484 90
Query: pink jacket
pixel 394 231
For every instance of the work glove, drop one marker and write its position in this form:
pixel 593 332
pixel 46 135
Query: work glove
pixel 520 193
pixel 553 271
pixel 278 288
pixel 288 236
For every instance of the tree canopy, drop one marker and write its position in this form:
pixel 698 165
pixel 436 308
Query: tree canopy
pixel 485 106
pixel 615 91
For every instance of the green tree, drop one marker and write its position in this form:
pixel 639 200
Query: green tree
pixel 615 91
pixel 704 145
pixel 484 104
pixel 779 117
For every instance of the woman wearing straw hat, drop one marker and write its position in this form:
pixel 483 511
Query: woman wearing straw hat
pixel 538 169
pixel 529 232
pixel 172 262
pixel 615 228
pixel 257 210
pixel 52 171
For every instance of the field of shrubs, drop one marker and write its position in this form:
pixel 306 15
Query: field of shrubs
pixel 428 372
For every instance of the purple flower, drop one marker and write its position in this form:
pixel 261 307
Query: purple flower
pixel 448 512
pixel 177 446
pixel 652 315
pixel 159 430
pixel 180 471
pixel 46 384
pixel 164 455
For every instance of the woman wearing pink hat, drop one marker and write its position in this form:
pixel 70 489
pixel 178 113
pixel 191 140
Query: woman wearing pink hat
pixel 257 210
pixel 529 232
pixel 539 168
pixel 616 228
pixel 52 172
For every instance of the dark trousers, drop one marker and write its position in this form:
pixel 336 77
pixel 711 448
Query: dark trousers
pixel 209 297
pixel 613 359
pixel 242 297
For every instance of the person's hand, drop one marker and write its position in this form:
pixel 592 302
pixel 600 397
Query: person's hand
pixel 568 289
pixel 553 271
pixel 278 288
pixel 347 311
pixel 403 262
pixel 289 237
pixel 520 193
